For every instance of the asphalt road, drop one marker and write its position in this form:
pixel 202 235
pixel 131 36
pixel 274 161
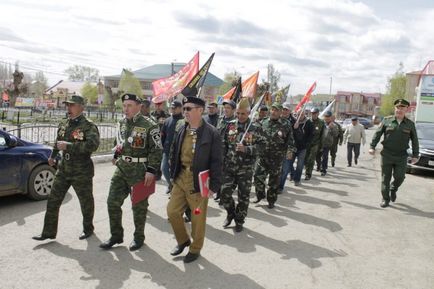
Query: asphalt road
pixel 328 233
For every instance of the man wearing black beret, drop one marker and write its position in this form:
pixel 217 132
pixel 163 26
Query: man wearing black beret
pixel 197 148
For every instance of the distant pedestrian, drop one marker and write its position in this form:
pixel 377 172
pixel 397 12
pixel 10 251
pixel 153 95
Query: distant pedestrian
pixel 212 117
pixel 354 135
pixel 330 132
pixel 337 140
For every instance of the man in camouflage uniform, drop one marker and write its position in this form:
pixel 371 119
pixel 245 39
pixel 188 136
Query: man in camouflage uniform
pixel 238 164
pixel 330 133
pixel 138 157
pixel 228 116
pixel 276 141
pixel 159 114
pixel 398 130
pixel 316 143
pixel 336 140
pixel 77 138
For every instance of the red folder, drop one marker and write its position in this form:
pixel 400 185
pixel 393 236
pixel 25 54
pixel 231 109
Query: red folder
pixel 204 183
pixel 139 191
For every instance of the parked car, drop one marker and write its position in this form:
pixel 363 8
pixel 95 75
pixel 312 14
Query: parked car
pixel 425 135
pixel 24 168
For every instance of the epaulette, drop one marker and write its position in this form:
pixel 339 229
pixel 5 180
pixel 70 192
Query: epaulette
pixel 153 122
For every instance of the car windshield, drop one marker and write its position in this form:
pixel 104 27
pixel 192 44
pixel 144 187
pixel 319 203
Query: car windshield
pixel 425 131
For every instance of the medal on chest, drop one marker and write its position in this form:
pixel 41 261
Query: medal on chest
pixel 137 137
pixel 77 134
pixel 232 133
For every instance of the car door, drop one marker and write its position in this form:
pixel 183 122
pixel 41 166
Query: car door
pixel 10 166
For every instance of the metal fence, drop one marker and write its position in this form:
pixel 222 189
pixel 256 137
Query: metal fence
pixel 46 134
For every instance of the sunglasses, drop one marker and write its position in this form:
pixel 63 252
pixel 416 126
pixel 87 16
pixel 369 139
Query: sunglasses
pixel 188 108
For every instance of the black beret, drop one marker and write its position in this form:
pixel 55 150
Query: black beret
pixel 193 99
pixel 401 102
pixel 230 102
pixel 130 96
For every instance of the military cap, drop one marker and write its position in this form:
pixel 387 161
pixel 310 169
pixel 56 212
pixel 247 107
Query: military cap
pixel 193 99
pixel 75 99
pixel 328 113
pixel 263 108
pixel 244 104
pixel 314 110
pixel 130 96
pixel 401 102
pixel 175 104
pixel 287 105
pixel 212 103
pixel 277 105
pixel 230 102
pixel 354 118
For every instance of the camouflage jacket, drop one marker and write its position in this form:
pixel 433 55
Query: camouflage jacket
pixel 233 133
pixel 222 124
pixel 138 137
pixel 329 134
pixel 276 139
pixel 83 137
pixel 318 132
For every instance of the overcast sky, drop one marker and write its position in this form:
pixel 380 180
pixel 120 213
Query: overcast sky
pixel 358 44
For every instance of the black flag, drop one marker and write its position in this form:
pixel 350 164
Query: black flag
pixel 238 91
pixel 192 88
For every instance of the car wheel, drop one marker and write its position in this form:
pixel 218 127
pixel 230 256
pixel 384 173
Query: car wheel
pixel 41 181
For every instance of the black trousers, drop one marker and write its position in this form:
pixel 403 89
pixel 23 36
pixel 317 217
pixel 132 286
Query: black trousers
pixel 350 148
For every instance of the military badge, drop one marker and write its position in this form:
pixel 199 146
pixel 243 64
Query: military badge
pixel 156 137
pixel 77 134
pixel 279 133
pixel 137 137
pixel 232 133
pixel 61 133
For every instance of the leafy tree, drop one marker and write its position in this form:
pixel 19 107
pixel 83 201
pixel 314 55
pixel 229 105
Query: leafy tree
pixel 273 78
pixel 82 73
pixel 230 80
pixel 39 84
pixel 129 83
pixel 90 92
pixel 395 90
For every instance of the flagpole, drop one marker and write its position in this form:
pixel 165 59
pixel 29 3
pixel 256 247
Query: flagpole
pixel 258 104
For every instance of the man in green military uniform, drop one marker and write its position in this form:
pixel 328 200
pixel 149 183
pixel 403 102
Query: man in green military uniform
pixel 316 144
pixel 276 142
pixel 397 130
pixel 239 153
pixel 337 140
pixel 138 157
pixel 77 138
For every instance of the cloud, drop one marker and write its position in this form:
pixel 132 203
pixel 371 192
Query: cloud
pixel 98 20
pixel 8 35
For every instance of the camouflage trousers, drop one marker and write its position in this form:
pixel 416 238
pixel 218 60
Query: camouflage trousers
pixel 83 188
pixel 310 158
pixel 233 178
pixel 120 189
pixel 272 168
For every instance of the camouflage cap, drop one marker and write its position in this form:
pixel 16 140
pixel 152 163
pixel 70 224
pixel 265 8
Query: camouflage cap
pixel 277 105
pixel 401 102
pixel 75 99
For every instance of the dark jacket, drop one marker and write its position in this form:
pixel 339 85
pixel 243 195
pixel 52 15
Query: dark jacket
pixel 207 155
pixel 212 119
pixel 168 131
pixel 303 134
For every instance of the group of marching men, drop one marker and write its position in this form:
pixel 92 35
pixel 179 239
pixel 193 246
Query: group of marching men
pixel 242 146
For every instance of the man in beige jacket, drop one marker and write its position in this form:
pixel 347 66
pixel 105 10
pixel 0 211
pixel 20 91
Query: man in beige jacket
pixel 354 135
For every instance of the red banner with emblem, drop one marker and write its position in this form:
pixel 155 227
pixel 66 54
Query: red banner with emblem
pixel 168 87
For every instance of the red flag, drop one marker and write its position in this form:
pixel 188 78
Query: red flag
pixel 169 87
pixel 248 87
pixel 305 98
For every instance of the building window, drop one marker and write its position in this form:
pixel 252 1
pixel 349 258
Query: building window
pixel 146 85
